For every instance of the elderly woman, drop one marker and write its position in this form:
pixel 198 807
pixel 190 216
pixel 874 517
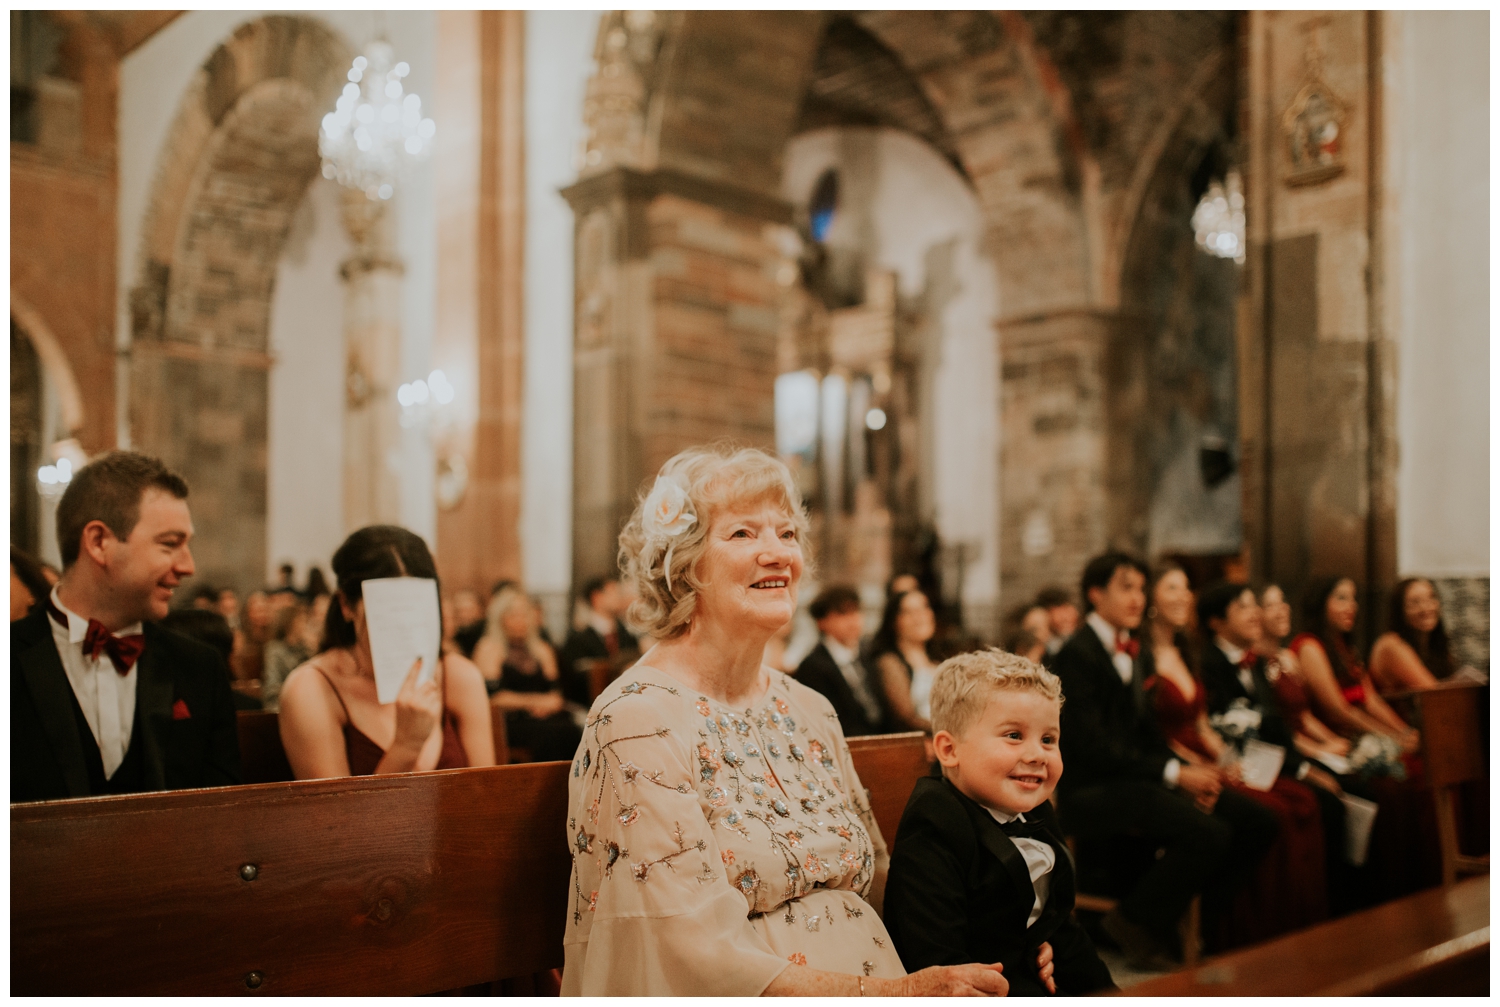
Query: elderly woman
pixel 721 839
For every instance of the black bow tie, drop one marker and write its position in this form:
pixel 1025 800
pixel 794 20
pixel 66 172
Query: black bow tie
pixel 1017 829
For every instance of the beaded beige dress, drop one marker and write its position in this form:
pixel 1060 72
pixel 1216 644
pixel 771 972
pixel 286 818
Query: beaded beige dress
pixel 713 846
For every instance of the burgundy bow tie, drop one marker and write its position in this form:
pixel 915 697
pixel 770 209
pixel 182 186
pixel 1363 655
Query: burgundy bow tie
pixel 1247 660
pixel 1126 645
pixel 123 651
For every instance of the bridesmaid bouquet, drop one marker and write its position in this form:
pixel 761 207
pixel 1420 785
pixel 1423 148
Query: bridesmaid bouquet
pixel 1238 724
pixel 1377 755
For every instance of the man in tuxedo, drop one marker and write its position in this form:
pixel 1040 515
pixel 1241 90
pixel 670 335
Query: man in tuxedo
pixel 602 637
pixel 1123 779
pixel 834 668
pixel 103 700
pixel 1233 671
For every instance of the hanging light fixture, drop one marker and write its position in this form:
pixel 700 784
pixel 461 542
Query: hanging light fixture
pixel 1219 220
pixel 376 128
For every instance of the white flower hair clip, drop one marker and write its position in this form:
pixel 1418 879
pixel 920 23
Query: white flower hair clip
pixel 665 516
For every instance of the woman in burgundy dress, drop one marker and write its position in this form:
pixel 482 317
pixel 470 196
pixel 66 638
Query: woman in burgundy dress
pixel 1289 889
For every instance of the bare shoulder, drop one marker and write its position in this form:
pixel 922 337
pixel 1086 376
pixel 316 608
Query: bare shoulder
pixel 1389 644
pixel 306 684
pixel 462 671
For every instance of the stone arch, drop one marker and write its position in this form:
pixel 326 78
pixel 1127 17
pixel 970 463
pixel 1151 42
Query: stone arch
pixel 238 159
pixel 54 361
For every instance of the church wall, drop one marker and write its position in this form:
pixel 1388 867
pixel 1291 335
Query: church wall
pixel 559 61
pixel 1437 307
pixel 159 158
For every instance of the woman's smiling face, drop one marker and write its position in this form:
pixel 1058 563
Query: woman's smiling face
pixel 751 568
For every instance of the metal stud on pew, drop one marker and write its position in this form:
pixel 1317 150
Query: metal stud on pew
pixel 249 872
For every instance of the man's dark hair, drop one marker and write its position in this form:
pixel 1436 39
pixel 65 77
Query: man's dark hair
pixel 1053 597
pixel 1214 602
pixel 110 490
pixel 372 553
pixel 1101 570
pixel 835 599
pixel 593 586
pixel 202 625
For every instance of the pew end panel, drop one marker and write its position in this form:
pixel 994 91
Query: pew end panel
pixel 374 886
pixel 889 765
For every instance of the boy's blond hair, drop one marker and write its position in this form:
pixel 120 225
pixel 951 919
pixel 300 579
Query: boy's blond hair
pixel 965 683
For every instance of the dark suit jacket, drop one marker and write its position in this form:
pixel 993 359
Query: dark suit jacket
pixel 820 671
pixel 1222 686
pixel 587 645
pixel 49 756
pixel 959 892
pixel 1108 730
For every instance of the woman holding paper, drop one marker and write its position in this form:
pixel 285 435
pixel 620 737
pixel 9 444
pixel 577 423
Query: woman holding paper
pixel 1289 887
pixel 332 720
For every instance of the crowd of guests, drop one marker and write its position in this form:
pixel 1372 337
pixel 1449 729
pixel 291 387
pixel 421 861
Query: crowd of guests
pixel 718 828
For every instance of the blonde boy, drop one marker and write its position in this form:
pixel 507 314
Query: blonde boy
pixel 980 872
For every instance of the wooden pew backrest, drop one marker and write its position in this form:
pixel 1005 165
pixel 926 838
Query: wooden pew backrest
pixel 889 765
pixel 378 885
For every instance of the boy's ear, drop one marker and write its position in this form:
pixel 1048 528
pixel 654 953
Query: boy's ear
pixel 945 748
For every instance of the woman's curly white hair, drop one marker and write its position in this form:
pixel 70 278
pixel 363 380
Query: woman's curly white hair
pixel 667 534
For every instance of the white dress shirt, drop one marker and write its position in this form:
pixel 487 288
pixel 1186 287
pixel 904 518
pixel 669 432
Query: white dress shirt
pixel 1236 655
pixel 106 697
pixel 847 659
pixel 1125 666
pixel 1040 859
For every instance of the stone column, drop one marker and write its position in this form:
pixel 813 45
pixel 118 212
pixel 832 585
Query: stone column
pixel 372 353
pixel 677 312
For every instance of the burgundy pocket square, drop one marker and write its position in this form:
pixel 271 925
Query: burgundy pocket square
pixel 180 711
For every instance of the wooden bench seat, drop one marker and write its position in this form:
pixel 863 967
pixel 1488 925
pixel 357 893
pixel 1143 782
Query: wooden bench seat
pixel 1433 943
pixel 393 885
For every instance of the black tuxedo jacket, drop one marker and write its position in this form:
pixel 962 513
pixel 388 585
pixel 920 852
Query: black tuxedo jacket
pixel 1109 732
pixel 820 671
pixel 1222 686
pixel 52 752
pixel 959 892
pixel 587 644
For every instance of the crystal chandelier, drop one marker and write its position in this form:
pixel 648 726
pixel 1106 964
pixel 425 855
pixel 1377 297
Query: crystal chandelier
pixel 1219 220
pixel 376 128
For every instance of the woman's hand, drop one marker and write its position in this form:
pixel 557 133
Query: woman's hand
pixel 956 981
pixel 545 704
pixel 1231 772
pixel 1336 745
pixel 418 709
pixel 1044 967
pixel 1411 740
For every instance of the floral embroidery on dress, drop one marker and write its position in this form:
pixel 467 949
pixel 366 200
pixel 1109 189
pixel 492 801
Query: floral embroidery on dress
pixel 797 958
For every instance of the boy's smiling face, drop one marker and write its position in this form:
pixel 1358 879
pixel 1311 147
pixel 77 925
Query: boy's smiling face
pixel 1008 758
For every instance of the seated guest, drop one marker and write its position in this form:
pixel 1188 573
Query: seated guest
pixel 1311 736
pixel 468 622
pixel 287 648
pixel 905 664
pixel 1062 616
pixel 980 870
pixel 713 800
pixel 1413 651
pixel 520 673
pixel 102 699
pixel 601 637
pixel 1293 887
pixel 1342 694
pixel 333 723
pixel 254 632
pixel 28 584
pixel 834 668
pixel 1028 633
pixel 1124 779
pixel 213 629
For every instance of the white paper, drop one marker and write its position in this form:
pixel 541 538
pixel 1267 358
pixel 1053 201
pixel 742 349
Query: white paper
pixel 1337 763
pixel 1260 764
pixel 1359 820
pixel 404 623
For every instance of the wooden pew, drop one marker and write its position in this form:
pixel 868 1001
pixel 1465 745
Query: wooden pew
pixel 1453 754
pixel 379 885
pixel 395 885
pixel 1436 942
